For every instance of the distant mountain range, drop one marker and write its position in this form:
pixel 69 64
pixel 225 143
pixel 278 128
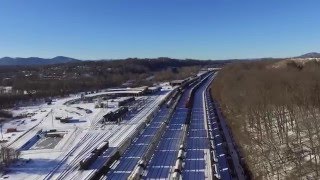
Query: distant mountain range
pixel 31 61
pixel 8 61
pixel 310 55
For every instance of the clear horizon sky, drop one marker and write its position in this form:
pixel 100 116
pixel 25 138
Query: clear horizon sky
pixel 200 29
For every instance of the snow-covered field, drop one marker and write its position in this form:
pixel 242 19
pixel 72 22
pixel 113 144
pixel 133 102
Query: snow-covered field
pixel 58 158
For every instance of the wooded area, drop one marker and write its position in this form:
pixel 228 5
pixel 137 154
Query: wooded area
pixel 34 82
pixel 274 114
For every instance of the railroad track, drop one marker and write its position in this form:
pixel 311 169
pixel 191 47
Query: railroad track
pixel 51 173
pixel 93 140
pixel 86 150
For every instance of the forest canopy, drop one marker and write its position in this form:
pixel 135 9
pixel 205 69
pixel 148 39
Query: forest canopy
pixel 273 110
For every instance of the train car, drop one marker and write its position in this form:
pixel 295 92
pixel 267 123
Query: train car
pixel 176 176
pixel 87 161
pixel 214 155
pixel 101 148
pixel 181 147
pixel 216 171
pixel 142 163
pixel 124 102
pixel 137 174
pixel 138 171
pixel 114 116
pixel 122 111
pixel 178 166
pixel 65 120
pixel 181 155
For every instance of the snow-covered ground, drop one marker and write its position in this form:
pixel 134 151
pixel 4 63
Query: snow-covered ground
pixel 80 136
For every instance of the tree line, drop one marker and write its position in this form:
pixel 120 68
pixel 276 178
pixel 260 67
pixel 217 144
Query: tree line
pixel 62 79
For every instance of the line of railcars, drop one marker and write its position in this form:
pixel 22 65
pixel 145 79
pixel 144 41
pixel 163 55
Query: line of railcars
pixel 170 153
pixel 134 158
pixel 186 103
pixel 182 158
pixel 196 82
pixel 117 155
pixel 91 158
pixel 223 166
pixel 125 102
pixel 179 162
pixel 114 116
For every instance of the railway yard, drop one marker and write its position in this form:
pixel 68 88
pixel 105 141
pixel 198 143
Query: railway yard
pixel 176 132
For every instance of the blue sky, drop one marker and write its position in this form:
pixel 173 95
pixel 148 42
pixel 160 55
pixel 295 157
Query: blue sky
pixel 202 29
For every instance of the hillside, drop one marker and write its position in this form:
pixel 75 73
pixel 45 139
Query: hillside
pixel 274 114
pixel 310 55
